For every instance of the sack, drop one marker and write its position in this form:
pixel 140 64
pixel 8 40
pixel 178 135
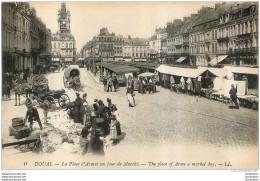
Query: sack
pixel 118 128
pixel 17 122
pixel 99 120
pixel 19 132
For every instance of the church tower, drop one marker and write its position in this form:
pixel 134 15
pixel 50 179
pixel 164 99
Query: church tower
pixel 64 19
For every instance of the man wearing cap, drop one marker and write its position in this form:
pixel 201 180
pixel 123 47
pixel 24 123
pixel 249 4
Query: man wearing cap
pixel 78 103
pixel 233 95
pixel 32 115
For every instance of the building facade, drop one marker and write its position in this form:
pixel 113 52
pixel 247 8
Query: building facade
pixel 158 43
pixel 22 34
pixel 136 49
pixel 63 42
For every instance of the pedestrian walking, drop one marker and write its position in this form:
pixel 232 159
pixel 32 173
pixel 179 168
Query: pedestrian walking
pixel 233 95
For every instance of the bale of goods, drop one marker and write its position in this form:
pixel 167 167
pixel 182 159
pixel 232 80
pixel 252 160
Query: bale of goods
pixel 19 132
pixel 18 129
pixel 17 122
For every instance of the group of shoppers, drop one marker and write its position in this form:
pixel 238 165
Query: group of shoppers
pixel 109 82
pixel 103 121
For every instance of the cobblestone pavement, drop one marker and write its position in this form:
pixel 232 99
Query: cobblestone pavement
pixel 162 118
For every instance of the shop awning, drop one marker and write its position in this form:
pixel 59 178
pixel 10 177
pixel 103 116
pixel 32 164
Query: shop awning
pixel 182 72
pixel 243 70
pixel 181 59
pixel 218 59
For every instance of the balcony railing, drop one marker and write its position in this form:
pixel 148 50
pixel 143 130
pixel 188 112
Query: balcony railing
pixel 244 36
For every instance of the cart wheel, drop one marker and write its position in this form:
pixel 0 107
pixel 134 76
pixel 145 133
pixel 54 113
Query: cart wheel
pixel 64 100
pixel 50 102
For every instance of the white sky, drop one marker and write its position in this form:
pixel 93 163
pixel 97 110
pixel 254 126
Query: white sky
pixel 137 19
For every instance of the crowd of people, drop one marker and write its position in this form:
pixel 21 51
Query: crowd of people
pixel 98 120
pixel 183 85
pixel 109 82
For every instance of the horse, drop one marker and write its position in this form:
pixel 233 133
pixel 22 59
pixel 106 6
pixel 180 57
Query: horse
pixel 21 89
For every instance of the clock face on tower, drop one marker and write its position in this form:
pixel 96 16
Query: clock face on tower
pixel 63 22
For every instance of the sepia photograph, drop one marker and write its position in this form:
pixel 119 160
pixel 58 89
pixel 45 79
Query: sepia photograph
pixel 130 85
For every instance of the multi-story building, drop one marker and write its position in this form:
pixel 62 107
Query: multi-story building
pixel 136 49
pixel 63 42
pixel 158 43
pixel 22 34
pixel 226 34
pixel 237 35
pixel 105 45
pixel 15 37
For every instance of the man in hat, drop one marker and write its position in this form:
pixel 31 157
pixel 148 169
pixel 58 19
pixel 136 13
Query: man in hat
pixel 233 95
pixel 78 105
pixel 84 141
pixel 96 145
pixel 32 115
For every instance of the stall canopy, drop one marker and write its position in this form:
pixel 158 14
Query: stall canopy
pixel 146 74
pixel 244 70
pixel 119 68
pixel 217 60
pixel 182 72
pixel 181 59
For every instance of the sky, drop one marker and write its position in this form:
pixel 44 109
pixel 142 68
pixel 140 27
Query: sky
pixel 137 19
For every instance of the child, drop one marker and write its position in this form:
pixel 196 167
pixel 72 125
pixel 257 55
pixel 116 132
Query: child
pixel 113 132
pixel 45 111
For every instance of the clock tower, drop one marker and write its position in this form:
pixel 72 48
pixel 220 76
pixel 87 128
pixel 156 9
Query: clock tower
pixel 64 19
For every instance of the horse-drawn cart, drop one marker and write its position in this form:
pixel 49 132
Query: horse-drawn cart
pixel 71 79
pixel 41 93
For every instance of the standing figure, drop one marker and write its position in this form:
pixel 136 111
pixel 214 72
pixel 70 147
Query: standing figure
pixel 45 111
pixel 78 105
pixel 109 83
pixel 199 85
pixel 130 98
pixel 172 80
pixel 17 84
pixel 32 115
pixel 95 146
pixel 141 85
pixel 115 82
pixel 113 131
pixel 182 84
pixel 84 141
pixel 105 83
pixel 189 85
pixel 233 95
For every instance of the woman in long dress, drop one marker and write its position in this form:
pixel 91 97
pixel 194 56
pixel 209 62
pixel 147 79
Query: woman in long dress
pixel 113 131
